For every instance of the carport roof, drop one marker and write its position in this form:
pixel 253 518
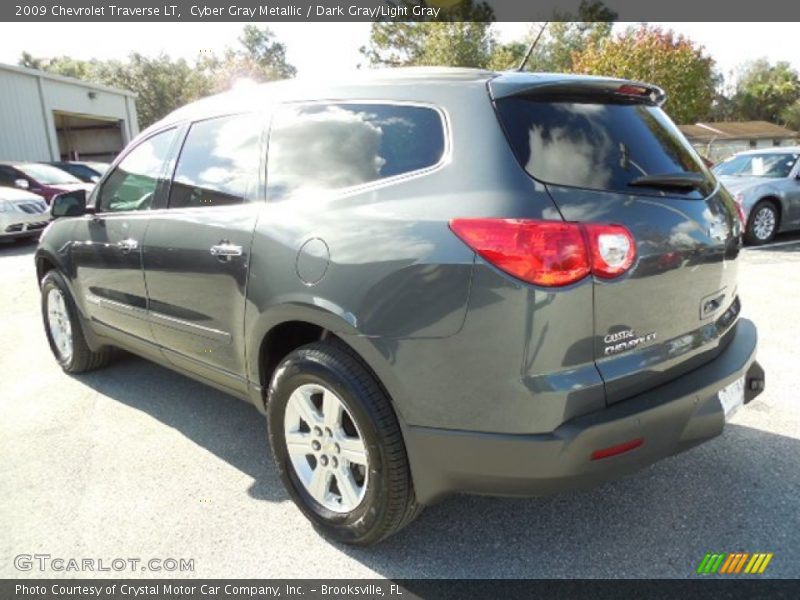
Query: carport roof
pixel 736 130
pixel 63 79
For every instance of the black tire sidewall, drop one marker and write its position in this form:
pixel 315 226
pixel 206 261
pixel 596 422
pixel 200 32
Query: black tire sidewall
pixel 303 367
pixel 751 236
pixel 53 280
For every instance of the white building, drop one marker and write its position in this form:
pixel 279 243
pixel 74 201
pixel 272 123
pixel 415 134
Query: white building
pixel 717 141
pixel 45 117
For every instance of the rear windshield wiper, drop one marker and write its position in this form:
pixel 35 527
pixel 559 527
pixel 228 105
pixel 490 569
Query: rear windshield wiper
pixel 678 181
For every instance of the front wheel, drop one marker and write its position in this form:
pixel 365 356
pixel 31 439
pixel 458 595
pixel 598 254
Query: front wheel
pixel 63 328
pixel 763 223
pixel 337 445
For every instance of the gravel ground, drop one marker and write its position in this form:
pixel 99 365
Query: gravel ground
pixel 137 461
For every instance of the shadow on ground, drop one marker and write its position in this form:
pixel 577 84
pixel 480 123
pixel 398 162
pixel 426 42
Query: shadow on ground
pixel 18 247
pixel 735 493
pixel 225 426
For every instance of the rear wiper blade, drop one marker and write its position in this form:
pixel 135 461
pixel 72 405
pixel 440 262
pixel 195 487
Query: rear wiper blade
pixel 670 181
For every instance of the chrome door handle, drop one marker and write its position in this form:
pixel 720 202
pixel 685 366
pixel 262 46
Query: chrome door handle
pixel 225 249
pixel 128 245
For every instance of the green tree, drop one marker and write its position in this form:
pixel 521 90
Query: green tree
pixel 766 92
pixel 790 116
pixel 651 54
pixel 568 34
pixel 162 84
pixel 461 38
pixel 59 65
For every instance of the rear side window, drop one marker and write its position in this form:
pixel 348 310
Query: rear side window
pixel 218 164
pixel 599 146
pixel 326 147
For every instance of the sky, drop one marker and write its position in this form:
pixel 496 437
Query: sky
pixel 323 49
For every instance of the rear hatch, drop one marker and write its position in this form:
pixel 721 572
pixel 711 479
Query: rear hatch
pixel 607 153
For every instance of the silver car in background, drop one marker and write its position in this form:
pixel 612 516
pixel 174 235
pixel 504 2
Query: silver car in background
pixel 22 214
pixel 766 185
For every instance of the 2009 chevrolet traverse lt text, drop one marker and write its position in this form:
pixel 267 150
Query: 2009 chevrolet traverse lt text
pixel 430 281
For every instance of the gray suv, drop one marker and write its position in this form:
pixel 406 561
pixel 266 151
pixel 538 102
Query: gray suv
pixel 429 281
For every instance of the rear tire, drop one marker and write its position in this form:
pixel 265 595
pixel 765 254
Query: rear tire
pixel 64 330
pixel 762 226
pixel 356 503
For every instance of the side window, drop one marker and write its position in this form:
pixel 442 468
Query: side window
pixel 7 176
pixel 134 182
pixel 219 163
pixel 325 147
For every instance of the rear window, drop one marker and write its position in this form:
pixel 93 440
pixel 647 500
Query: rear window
pixel 331 146
pixel 599 146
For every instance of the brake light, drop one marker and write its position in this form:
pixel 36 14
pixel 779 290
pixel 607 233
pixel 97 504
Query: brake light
pixel 549 253
pixel 633 90
pixel 739 201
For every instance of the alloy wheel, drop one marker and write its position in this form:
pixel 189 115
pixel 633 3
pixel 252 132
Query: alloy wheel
pixel 764 223
pixel 326 448
pixel 59 324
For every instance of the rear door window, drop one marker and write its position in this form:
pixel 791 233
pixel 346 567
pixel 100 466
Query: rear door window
pixel 331 146
pixel 599 146
pixel 218 164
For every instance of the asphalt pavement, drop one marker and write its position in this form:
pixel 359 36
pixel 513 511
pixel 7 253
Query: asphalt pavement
pixel 135 461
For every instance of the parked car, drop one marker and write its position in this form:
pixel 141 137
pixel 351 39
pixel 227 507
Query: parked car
pixel 44 180
pixel 88 172
pixel 430 284
pixel 766 184
pixel 22 214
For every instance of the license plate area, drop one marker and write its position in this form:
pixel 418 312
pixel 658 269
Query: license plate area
pixel 732 397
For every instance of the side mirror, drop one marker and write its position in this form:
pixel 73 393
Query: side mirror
pixel 69 204
pixel 22 184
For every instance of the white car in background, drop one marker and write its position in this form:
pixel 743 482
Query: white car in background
pixel 22 214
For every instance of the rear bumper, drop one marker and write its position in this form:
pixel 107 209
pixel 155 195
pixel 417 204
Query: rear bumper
pixel 670 418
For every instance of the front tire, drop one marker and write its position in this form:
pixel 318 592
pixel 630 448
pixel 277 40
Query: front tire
pixel 63 328
pixel 337 445
pixel 762 224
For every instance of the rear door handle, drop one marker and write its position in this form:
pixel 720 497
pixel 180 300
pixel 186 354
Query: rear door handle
pixel 225 250
pixel 128 245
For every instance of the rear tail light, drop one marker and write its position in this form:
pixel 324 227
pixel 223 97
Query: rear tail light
pixel 549 253
pixel 612 248
pixel 739 201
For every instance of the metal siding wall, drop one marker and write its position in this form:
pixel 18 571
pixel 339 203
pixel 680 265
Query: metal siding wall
pixel 74 98
pixel 23 136
pixel 27 130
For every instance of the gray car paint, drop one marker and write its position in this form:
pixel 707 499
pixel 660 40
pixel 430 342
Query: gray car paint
pixel 786 191
pixel 457 344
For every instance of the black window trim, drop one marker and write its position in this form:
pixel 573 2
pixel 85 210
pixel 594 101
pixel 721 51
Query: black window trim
pixel 378 183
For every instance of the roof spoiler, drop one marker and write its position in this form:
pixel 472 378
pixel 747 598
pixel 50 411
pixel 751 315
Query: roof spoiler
pixel 568 88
